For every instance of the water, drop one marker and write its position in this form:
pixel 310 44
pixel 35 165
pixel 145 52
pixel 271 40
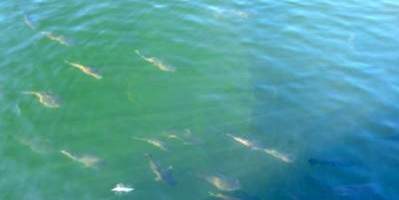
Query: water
pixel 316 81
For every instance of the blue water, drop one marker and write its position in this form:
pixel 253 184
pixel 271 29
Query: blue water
pixel 312 86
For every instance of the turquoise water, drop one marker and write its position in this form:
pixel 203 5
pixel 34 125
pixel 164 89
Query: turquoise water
pixel 313 85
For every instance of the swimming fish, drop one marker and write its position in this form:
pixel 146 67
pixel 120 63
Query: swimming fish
pixel 85 69
pixel 28 21
pixel 186 137
pixel 176 137
pixel 153 142
pixel 274 153
pixel 58 38
pixel 87 161
pixel 254 146
pixel 36 145
pixel 157 63
pixel 121 188
pixel 244 142
pixel 164 175
pixel 44 98
pixel 222 196
pixel 224 183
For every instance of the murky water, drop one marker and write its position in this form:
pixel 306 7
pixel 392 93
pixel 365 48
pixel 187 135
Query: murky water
pixel 215 99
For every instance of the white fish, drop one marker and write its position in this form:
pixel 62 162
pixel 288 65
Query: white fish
pixel 85 69
pixel 224 183
pixel 175 137
pixel 186 137
pixel 36 145
pixel 28 22
pixel 272 152
pixel 278 155
pixel 87 161
pixel 153 142
pixel 44 98
pixel 222 196
pixel 58 38
pixel 157 63
pixel 121 188
pixel 244 142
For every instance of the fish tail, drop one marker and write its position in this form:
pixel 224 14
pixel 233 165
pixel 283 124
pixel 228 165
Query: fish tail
pixel 64 42
pixel 71 64
pixel 45 33
pixel 139 54
pixel 164 149
pixel 67 154
pixel 148 156
pixel 212 194
pixel 28 22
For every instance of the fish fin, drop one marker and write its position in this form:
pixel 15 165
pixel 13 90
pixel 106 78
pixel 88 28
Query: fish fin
pixel 138 53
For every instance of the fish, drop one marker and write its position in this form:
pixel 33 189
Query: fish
pixel 156 62
pixel 34 144
pixel 224 183
pixel 222 196
pixel 164 175
pixel 153 142
pixel 244 142
pixel 120 188
pixel 44 98
pixel 274 153
pixel 87 161
pixel 85 69
pixel 176 137
pixel 58 38
pixel 28 21
pixel 186 137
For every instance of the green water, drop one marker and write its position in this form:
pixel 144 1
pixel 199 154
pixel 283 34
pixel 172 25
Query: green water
pixel 316 81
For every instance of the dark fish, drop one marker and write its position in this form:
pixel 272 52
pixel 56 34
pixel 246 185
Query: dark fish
pixel 164 175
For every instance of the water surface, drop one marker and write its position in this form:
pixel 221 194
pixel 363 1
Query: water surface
pixel 316 81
